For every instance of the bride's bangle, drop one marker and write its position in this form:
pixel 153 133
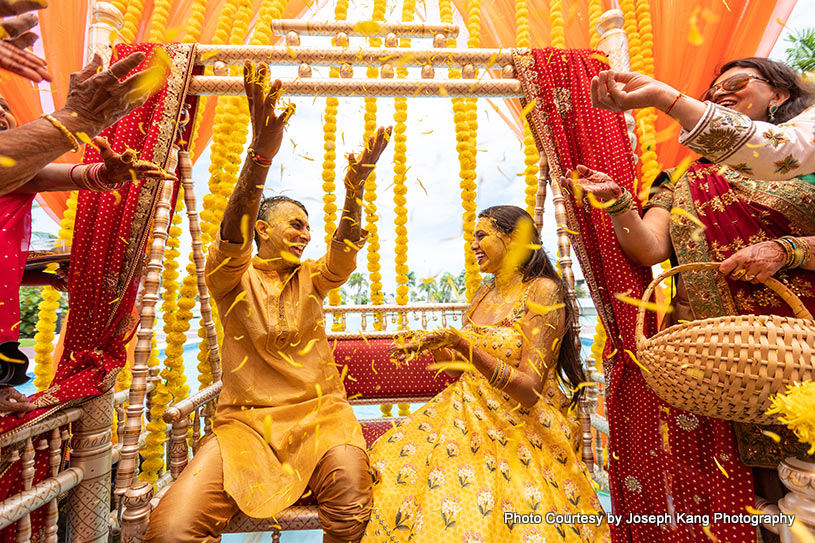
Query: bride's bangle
pixel 622 204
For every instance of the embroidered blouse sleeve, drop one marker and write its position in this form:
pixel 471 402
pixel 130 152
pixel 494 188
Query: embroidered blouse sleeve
pixel 663 195
pixel 754 148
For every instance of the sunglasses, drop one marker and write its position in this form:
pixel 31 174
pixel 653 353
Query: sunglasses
pixel 732 84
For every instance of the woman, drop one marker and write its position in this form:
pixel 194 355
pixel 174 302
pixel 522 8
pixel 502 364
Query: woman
pixel 777 146
pixel 756 228
pixel 498 440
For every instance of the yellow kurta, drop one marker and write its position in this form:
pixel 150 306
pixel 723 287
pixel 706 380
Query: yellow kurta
pixel 283 404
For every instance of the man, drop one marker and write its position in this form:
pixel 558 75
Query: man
pixel 283 421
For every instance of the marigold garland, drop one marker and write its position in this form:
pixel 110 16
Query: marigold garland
pixel 630 27
pixel 646 118
pixel 531 155
pixel 599 344
pixel 196 21
pixel 557 27
pixel 595 11
pixel 132 16
pixel 158 20
pixel 330 164
pixel 47 314
pixel 369 195
pixel 44 338
pixel 399 177
pixel 153 448
pixel 467 161
pixel 120 5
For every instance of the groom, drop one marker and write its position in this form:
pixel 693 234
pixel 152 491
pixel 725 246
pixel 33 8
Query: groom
pixel 283 420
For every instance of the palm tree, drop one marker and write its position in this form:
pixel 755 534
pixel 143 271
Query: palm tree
pixel 801 53
pixel 358 281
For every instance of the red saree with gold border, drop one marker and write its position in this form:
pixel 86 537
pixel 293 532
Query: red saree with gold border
pixel 110 234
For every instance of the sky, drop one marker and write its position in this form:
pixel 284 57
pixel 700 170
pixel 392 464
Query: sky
pixel 434 217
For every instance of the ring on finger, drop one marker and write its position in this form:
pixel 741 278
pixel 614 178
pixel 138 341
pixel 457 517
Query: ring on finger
pixel 749 277
pixel 738 274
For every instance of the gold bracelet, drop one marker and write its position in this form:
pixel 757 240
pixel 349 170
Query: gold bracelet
pixel 61 127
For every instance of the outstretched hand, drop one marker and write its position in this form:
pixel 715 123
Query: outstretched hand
pixel 16 39
pixel 102 97
pixel 621 91
pixel 359 169
pixel 124 167
pixel 267 126
pixel 592 182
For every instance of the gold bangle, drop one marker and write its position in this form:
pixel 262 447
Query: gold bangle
pixel 65 132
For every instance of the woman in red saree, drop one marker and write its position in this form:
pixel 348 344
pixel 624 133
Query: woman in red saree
pixel 756 228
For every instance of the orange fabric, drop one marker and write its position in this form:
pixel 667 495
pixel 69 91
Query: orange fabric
pixel 730 34
pixel 678 62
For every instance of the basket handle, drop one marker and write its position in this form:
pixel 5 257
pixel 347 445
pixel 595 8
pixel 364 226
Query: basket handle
pixel 799 310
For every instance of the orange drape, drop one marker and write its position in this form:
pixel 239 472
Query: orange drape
pixel 748 27
pixel 732 29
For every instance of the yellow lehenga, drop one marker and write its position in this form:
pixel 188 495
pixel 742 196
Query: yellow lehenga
pixel 449 471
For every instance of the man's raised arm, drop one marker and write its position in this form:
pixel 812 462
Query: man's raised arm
pixel 267 133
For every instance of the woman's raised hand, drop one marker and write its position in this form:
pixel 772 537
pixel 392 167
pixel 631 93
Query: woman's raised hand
pixel 621 91
pixel 593 182
pixel 267 126
pixel 360 169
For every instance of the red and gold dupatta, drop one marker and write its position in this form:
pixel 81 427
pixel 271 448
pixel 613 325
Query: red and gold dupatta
pixel 110 234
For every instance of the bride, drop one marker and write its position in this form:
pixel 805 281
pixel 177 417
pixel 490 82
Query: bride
pixel 499 442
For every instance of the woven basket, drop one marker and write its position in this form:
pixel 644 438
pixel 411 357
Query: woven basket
pixel 728 367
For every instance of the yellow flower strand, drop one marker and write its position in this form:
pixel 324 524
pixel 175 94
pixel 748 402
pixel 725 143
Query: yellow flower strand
pixel 467 162
pixel 599 344
pixel 531 155
pixel 595 11
pixel 330 163
pixel 229 135
pixel 121 5
pixel 131 20
pixel 158 20
pixel 646 118
pixel 557 27
pixel 369 195
pixel 47 314
pixel 630 27
pixel 44 338
pixel 399 177
pixel 196 21
pixel 153 449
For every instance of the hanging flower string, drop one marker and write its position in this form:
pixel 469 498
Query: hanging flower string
pixel 47 314
pixel 158 21
pixel 330 164
pixel 132 16
pixel 531 156
pixel 467 174
pixel 595 11
pixel 369 196
pixel 400 178
pixel 557 30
